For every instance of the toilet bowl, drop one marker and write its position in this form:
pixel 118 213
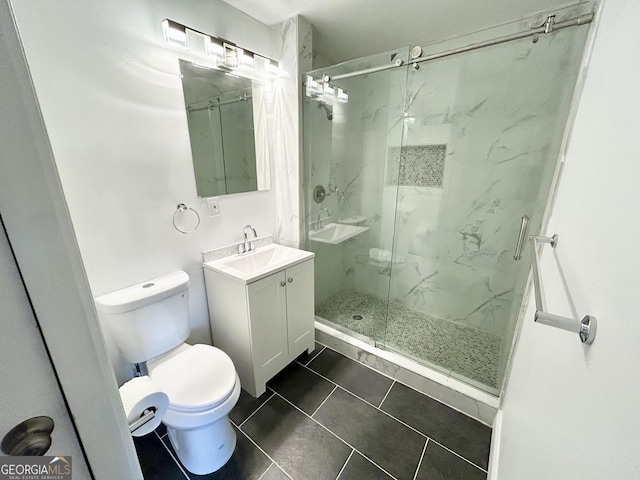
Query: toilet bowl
pixel 149 323
pixel 203 387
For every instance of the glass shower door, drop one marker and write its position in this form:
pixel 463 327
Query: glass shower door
pixel 347 140
pixel 481 140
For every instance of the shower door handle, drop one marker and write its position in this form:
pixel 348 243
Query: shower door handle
pixel 522 236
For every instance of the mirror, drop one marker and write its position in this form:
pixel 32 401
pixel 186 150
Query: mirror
pixel 227 129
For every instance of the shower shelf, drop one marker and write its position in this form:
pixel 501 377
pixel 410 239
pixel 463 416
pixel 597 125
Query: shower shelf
pixel 585 328
pixel 336 233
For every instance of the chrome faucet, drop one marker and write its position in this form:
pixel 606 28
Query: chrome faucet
pixel 247 246
pixel 319 221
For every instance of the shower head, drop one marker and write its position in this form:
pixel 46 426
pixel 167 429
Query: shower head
pixel 327 109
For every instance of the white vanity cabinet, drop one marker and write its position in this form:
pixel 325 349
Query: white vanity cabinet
pixel 263 324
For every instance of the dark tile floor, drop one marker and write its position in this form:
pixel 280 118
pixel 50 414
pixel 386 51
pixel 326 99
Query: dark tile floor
pixel 327 417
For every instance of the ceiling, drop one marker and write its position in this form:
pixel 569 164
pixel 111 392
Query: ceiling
pixel 348 29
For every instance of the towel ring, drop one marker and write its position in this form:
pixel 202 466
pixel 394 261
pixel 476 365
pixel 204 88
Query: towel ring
pixel 183 208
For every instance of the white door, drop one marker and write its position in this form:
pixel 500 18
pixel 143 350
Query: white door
pixel 29 385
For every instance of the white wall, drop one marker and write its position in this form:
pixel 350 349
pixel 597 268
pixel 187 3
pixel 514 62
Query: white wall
pixel 112 101
pixel 570 411
pixel 37 223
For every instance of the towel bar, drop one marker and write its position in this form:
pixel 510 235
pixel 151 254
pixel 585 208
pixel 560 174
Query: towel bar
pixel 585 328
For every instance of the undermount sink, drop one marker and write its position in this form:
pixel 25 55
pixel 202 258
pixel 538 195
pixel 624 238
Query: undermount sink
pixel 260 263
pixel 336 233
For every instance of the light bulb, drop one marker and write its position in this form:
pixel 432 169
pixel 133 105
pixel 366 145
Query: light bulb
pixel 175 34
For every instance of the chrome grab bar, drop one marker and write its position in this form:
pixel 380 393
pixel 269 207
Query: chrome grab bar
pixel 585 328
pixel 521 237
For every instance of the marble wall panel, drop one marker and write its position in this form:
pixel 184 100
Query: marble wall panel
pixel 292 45
pixel 506 128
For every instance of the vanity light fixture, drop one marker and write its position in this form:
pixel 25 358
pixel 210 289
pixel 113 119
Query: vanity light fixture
pixel 328 92
pixel 214 47
pixel 409 119
pixel 175 34
pixel 226 54
pixel 267 68
pixel 313 87
pixel 342 96
pixel 230 57
pixel 325 91
pixel 246 59
pixel 273 67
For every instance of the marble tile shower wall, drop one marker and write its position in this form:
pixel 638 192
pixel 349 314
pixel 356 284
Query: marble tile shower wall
pixel 349 153
pixel 501 117
pixel 504 116
pixel 508 122
pixel 328 257
pixel 292 46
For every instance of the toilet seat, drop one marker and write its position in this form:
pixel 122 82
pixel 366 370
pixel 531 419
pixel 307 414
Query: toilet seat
pixel 197 378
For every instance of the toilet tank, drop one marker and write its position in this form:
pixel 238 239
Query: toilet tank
pixel 147 319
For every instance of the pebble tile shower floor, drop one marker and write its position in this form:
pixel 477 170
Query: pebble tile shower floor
pixel 328 417
pixel 464 350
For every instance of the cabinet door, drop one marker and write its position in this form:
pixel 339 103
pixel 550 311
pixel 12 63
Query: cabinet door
pixel 300 313
pixel 268 314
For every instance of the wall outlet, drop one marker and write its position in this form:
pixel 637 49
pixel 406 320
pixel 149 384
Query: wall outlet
pixel 214 206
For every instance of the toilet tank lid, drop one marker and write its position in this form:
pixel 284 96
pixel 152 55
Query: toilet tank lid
pixel 142 294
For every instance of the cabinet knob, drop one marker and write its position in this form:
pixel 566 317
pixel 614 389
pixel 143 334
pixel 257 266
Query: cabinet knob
pixel 282 284
pixel 290 280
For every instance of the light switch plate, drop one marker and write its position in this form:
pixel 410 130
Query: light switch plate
pixel 214 206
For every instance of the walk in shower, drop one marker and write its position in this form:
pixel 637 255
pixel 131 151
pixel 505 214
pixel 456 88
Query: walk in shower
pixel 416 177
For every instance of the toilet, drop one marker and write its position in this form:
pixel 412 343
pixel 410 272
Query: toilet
pixel 149 322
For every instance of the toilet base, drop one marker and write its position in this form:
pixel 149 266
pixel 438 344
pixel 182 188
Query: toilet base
pixel 204 450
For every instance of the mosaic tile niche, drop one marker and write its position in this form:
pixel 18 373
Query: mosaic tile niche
pixel 417 166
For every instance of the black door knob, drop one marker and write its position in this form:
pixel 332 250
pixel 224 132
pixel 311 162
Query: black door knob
pixel 31 437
